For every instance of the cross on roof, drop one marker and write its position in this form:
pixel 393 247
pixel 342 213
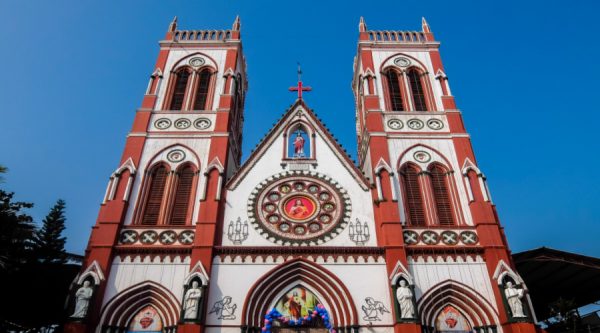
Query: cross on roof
pixel 300 88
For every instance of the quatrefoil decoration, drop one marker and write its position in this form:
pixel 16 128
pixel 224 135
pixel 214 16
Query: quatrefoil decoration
pixel 430 237
pixel 449 237
pixel 411 237
pixel 186 237
pixel 129 237
pixel 167 237
pixel 148 237
pixel 468 237
pixel 162 123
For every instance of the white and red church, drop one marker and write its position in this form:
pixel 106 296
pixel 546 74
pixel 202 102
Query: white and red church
pixel 298 238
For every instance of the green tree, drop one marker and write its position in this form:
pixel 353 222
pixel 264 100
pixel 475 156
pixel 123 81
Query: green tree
pixel 49 244
pixel 16 231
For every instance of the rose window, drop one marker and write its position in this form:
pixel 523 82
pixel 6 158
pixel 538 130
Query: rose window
pixel 299 208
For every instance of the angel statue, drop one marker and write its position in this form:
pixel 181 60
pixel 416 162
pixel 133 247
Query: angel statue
pixel 223 309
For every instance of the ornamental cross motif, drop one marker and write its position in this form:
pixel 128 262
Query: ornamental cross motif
pixel 299 88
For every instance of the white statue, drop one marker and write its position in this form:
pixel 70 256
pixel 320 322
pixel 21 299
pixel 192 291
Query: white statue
pixel 83 296
pixel 513 296
pixel 191 301
pixel 405 299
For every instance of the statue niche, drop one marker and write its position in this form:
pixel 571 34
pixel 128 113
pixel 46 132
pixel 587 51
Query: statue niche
pixel 514 297
pixel 405 301
pixel 192 301
pixel 82 299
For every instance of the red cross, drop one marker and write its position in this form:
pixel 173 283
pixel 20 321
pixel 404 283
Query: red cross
pixel 300 88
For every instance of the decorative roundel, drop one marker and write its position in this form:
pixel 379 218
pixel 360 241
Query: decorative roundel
pixel 395 124
pixel 415 124
pixel 186 237
pixel 298 207
pixel 422 156
pixel 197 62
pixel 430 237
pixel 402 62
pixel 162 123
pixel 469 237
pixel 449 237
pixel 182 123
pixel 435 124
pixel 176 155
pixel 167 237
pixel 202 123
pixel 411 237
pixel 129 237
pixel 148 237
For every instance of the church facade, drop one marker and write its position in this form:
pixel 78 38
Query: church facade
pixel 298 237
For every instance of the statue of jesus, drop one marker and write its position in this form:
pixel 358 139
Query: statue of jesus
pixel 298 145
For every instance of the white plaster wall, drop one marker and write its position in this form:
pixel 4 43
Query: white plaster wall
pixel 427 272
pixel 128 272
pixel 397 146
pixel 200 146
pixel 361 280
pixel 380 56
pixel 216 57
pixel 270 164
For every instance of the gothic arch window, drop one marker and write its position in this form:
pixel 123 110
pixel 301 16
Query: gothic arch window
pixel 417 90
pixel 451 320
pixel 299 143
pixel 180 83
pixel 441 194
pixel 394 84
pixel 182 195
pixel 412 191
pixel 202 89
pixel 147 320
pixel 154 197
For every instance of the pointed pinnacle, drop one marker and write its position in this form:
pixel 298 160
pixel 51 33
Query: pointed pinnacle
pixel 425 26
pixel 237 24
pixel 173 25
pixel 362 26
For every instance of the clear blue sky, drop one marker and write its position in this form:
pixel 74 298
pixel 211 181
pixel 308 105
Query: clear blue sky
pixel 525 75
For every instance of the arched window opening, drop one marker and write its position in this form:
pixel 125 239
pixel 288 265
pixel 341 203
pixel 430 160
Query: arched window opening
pixel 202 90
pixel 179 89
pixel 394 90
pixel 156 190
pixel 416 88
pixel 450 320
pixel 414 199
pixel 441 195
pixel 299 143
pixel 182 196
pixel 146 320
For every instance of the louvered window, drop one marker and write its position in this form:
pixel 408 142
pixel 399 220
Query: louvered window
pixel 416 88
pixel 414 200
pixel 179 90
pixel 181 202
pixel 394 91
pixel 202 90
pixel 156 190
pixel 441 196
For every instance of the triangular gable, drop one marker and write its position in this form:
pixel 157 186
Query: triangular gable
pixel 288 117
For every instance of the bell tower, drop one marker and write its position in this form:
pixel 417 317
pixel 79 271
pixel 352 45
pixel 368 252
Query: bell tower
pixel 433 211
pixel 157 225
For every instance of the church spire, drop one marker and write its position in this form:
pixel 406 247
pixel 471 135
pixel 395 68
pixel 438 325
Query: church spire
pixel 236 24
pixel 362 26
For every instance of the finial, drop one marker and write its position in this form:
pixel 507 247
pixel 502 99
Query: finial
pixel 173 25
pixel 362 26
pixel 425 26
pixel 236 24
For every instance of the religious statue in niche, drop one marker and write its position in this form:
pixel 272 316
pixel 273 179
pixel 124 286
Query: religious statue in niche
pixel 298 144
pixel 223 309
pixel 404 296
pixel 83 296
pixel 373 309
pixel 514 298
pixel 191 301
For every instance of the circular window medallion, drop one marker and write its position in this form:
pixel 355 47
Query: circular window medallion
pixel 302 208
pixel 162 123
pixel 468 237
pixel 129 237
pixel 202 123
pixel 435 124
pixel 402 62
pixel 167 237
pixel 415 124
pixel 148 237
pixel 395 124
pixel 430 237
pixel 449 237
pixel 182 123
pixel 422 156
pixel 176 155
pixel 411 237
pixel 197 62
pixel 186 237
